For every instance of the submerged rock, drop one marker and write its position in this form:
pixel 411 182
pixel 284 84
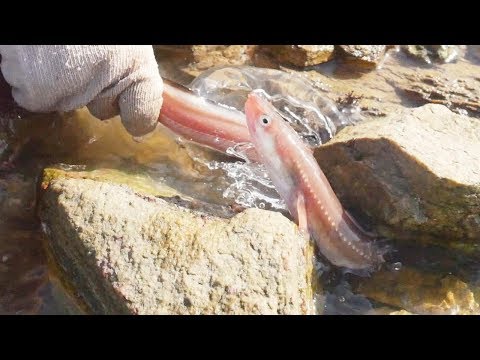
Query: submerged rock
pixel 432 53
pixel 400 312
pixel 473 52
pixel 388 311
pixel 420 165
pixel 299 55
pixel 367 54
pixel 130 253
pixel 421 293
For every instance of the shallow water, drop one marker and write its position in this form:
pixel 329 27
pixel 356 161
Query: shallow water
pixel 29 286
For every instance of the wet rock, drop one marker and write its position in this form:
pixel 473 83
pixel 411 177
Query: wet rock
pixel 421 293
pixel 129 253
pixel 366 54
pixel 58 302
pixel 381 92
pixel 387 310
pixel 181 48
pixel 400 312
pixel 207 56
pixel 140 182
pixel 473 53
pixel 179 57
pixel 3 143
pixel 432 53
pixel 422 167
pixel 342 301
pixel 299 55
pixel 459 95
pixel 137 181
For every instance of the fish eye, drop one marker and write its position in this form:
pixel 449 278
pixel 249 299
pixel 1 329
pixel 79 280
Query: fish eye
pixel 265 120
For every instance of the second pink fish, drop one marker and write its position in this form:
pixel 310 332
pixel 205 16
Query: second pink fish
pixel 202 121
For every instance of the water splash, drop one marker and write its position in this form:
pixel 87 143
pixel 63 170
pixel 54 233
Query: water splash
pixel 250 185
pixel 315 118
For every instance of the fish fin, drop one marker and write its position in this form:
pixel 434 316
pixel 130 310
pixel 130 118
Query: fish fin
pixel 302 214
pixel 349 218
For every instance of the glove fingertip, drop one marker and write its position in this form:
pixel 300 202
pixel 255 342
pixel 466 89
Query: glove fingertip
pixel 103 109
pixel 140 107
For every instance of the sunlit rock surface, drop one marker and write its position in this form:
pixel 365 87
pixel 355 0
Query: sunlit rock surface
pixel 299 55
pixel 433 53
pixel 127 252
pixel 421 293
pixel 207 56
pixel 415 173
pixel 366 54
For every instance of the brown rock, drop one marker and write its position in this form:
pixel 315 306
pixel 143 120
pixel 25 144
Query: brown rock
pixel 425 180
pixel 459 95
pixel 401 312
pixel 386 310
pixel 368 54
pixel 433 53
pixel 378 91
pixel 421 293
pixel 207 56
pixel 299 55
pixel 127 253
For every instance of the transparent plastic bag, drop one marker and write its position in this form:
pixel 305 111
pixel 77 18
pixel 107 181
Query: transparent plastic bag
pixel 312 115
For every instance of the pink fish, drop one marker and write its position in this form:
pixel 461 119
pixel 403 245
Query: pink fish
pixel 202 121
pixel 305 189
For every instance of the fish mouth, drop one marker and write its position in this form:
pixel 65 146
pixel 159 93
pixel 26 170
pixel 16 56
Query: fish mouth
pixel 252 111
pixel 255 106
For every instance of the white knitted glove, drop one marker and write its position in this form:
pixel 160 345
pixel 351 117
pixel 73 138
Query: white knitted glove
pixel 109 80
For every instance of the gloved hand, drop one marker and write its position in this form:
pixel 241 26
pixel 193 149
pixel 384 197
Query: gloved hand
pixel 109 80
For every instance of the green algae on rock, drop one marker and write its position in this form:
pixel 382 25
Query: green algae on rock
pixel 138 181
pixel 425 180
pixel 135 254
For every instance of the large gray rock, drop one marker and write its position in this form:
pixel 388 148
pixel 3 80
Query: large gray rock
pixel 128 253
pixel 414 174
